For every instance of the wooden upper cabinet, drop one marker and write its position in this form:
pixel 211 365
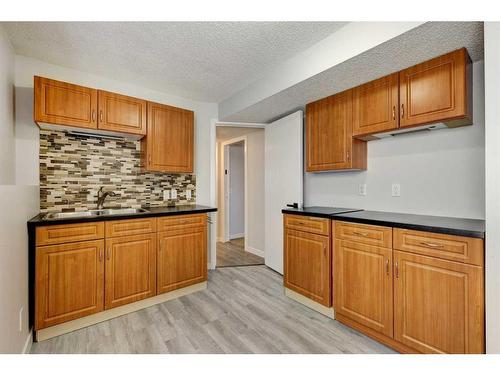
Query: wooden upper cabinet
pixel 63 103
pixel 329 142
pixel 375 106
pixel 439 304
pixel 130 269
pixel 69 282
pixel 363 285
pixel 120 113
pixel 307 265
pixel 169 144
pixel 438 90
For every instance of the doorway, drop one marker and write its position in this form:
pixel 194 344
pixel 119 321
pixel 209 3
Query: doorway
pixel 240 189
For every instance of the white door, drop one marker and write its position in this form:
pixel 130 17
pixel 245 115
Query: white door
pixel 283 179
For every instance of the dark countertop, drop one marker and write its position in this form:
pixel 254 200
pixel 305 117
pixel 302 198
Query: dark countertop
pixel 437 224
pixel 317 211
pixel 152 212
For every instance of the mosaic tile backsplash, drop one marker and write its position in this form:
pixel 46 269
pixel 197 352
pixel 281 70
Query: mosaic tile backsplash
pixel 74 167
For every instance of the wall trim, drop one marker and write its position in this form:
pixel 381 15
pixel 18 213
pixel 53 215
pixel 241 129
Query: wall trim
pixel 236 235
pixel 255 251
pixel 28 343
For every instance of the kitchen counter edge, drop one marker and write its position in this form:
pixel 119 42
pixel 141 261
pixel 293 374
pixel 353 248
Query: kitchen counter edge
pixel 38 220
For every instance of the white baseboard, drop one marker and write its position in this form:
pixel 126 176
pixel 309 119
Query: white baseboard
pixel 328 311
pixel 220 239
pixel 255 251
pixel 237 235
pixel 27 344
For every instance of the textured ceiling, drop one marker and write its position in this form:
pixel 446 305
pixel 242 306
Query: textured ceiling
pixel 206 61
pixel 228 132
pixel 422 43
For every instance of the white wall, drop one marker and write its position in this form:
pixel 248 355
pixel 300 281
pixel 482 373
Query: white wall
pixel 256 191
pixel 255 194
pixel 26 68
pixel 7 146
pixel 440 172
pixel 18 203
pixel 236 168
pixel 492 157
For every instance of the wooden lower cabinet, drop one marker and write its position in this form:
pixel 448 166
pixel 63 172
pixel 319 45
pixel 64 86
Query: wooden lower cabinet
pixel 363 285
pixel 182 258
pixel 130 269
pixel 80 276
pixel 307 265
pixel 439 304
pixel 69 282
pixel 416 300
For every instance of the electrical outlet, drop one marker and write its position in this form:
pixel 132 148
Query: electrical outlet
pixel 362 189
pixel 396 190
pixel 166 195
pixel 21 319
pixel 173 194
pixel 188 194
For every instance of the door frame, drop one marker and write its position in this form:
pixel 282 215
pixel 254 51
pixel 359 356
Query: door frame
pixel 214 123
pixel 226 165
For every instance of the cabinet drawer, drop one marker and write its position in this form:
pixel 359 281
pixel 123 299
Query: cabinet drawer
pixel 57 234
pixel 457 248
pixel 118 228
pixel 309 224
pixel 364 233
pixel 181 222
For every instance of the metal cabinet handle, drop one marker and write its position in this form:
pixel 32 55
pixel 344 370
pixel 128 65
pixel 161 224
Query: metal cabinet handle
pixel 93 115
pixel 387 266
pixel 100 115
pixel 394 112
pixel 396 269
pixel 360 234
pixel 348 155
pixel 430 244
pixel 324 250
pixel 402 111
pixel 108 253
pixel 101 255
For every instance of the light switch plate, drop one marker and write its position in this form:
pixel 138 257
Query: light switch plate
pixel 396 190
pixel 362 189
pixel 166 195
pixel 173 194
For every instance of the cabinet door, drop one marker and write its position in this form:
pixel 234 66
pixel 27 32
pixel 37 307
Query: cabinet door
pixel 130 269
pixel 69 282
pixel 437 90
pixel 63 103
pixel 169 143
pixel 307 265
pixel 182 258
pixel 363 285
pixel 329 142
pixel 375 106
pixel 121 113
pixel 439 305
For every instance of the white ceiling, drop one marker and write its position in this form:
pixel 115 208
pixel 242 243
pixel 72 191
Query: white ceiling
pixel 205 61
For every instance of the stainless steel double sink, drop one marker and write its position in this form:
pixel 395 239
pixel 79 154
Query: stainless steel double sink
pixel 103 212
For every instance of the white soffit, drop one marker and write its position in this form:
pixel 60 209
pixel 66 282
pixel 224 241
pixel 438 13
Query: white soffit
pixel 421 43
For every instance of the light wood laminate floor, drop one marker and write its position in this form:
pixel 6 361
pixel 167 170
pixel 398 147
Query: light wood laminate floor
pixel 232 253
pixel 243 310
